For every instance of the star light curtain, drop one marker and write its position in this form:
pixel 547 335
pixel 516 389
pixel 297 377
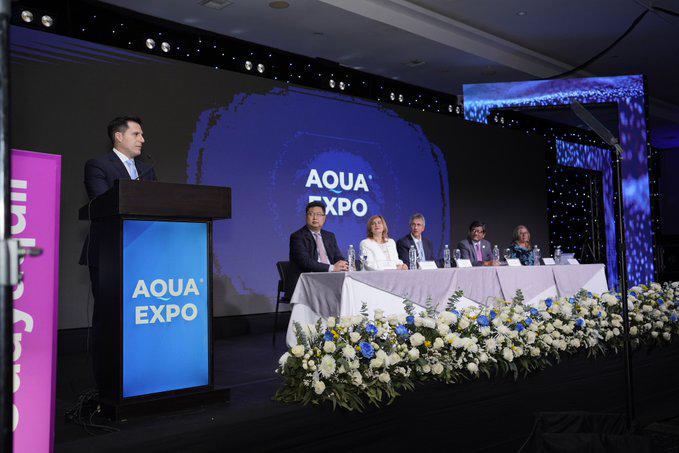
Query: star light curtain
pixel 627 92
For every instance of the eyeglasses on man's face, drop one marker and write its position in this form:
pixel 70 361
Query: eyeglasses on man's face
pixel 315 215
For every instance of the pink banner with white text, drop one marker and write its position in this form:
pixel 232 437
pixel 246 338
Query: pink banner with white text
pixel 35 198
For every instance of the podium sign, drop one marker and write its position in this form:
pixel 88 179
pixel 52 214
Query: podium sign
pixel 165 306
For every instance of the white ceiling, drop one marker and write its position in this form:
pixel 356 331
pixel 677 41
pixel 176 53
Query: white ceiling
pixel 460 41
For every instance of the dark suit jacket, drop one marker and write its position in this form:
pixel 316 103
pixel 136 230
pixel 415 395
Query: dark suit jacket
pixel 403 248
pixel 304 254
pixel 467 251
pixel 100 173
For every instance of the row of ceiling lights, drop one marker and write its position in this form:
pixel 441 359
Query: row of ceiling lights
pixel 28 17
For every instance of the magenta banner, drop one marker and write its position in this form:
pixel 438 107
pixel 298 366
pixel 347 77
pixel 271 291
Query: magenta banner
pixel 35 192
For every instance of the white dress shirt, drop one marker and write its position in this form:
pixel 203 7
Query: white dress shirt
pixel 419 246
pixel 123 158
pixel 379 256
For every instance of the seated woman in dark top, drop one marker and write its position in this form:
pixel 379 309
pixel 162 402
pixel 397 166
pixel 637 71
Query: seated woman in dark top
pixel 521 248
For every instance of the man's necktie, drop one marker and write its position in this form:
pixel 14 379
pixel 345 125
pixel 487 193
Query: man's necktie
pixel 132 169
pixel 322 254
pixel 479 255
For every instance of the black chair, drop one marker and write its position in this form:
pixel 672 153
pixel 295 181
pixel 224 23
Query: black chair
pixel 283 293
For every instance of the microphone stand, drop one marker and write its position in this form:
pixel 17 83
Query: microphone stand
pixel 621 247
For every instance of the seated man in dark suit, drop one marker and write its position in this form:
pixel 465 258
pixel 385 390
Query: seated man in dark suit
pixel 424 247
pixel 475 248
pixel 313 249
pixel 127 139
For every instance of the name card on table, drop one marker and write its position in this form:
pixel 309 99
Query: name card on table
pixel 513 262
pixel 573 261
pixel 463 263
pixel 427 265
pixel 548 261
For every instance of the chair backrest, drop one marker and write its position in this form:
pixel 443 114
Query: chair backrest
pixel 284 276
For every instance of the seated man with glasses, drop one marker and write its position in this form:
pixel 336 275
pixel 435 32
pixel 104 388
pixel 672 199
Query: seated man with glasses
pixel 313 249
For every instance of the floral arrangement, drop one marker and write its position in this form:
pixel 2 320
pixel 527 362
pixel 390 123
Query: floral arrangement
pixel 354 361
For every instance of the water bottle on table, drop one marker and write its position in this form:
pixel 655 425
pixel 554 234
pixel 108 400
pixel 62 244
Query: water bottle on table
pixel 496 255
pixel 412 256
pixel 446 256
pixel 536 256
pixel 457 255
pixel 351 258
pixel 557 254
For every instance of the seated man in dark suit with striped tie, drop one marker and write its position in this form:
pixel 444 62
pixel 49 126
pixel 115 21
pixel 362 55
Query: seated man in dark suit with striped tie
pixel 313 249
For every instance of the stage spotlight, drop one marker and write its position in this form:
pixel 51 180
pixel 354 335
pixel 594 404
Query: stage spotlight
pixel 150 44
pixel 27 16
pixel 502 120
pixel 450 108
pixel 332 83
pixel 165 47
pixel 248 65
pixel 392 96
pixel 342 86
pixel 47 21
pixel 458 109
pixel 400 98
pixel 260 68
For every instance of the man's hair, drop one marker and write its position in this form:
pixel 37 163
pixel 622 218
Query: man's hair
pixel 315 204
pixel 119 124
pixel 417 216
pixel 476 224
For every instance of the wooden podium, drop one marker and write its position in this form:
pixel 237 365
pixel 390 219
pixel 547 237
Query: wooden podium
pixel 154 307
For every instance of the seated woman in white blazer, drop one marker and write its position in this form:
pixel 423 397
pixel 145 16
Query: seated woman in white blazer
pixel 380 251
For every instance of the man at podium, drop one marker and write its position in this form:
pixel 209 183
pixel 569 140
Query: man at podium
pixel 127 138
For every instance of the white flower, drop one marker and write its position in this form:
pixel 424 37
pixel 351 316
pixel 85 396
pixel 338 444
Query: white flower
pixel 443 329
pixel 319 387
pixel 507 354
pixel 616 331
pixel 284 358
pixel 394 358
pixel 483 357
pixel 437 368
pixel 438 343
pixel 376 363
pixel 491 345
pixel 463 324
pixel 384 377
pixel 416 339
pixel 297 350
pixel 356 378
pixel 485 331
pixel 429 322
pixel 534 351
pixel 328 365
pixel 473 367
pixel 654 334
pixel 354 337
pixel 331 322
pixel 447 317
pixel 530 337
pixel 667 336
pixel 633 330
pixel 609 299
pixel 379 313
pixel 414 354
pixel 348 352
pixel 329 347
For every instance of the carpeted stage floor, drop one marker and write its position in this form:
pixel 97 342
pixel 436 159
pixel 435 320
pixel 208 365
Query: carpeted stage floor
pixel 484 415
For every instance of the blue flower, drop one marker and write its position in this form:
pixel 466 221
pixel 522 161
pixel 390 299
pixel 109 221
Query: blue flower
pixel 492 314
pixel 402 330
pixel 371 329
pixel 549 302
pixel 598 315
pixel 410 319
pixel 456 313
pixel 534 311
pixel 660 301
pixel 572 300
pixel 633 294
pixel 589 294
pixel 367 349
pixel 483 321
pixel 580 322
pixel 520 327
pixel 328 336
pixel 673 318
pixel 528 321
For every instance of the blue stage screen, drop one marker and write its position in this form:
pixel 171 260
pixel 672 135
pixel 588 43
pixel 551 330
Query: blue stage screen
pixel 165 310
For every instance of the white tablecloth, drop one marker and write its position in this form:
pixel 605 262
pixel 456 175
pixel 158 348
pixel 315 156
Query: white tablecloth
pixel 324 294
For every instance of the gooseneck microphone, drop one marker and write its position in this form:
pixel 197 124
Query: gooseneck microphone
pixel 152 164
